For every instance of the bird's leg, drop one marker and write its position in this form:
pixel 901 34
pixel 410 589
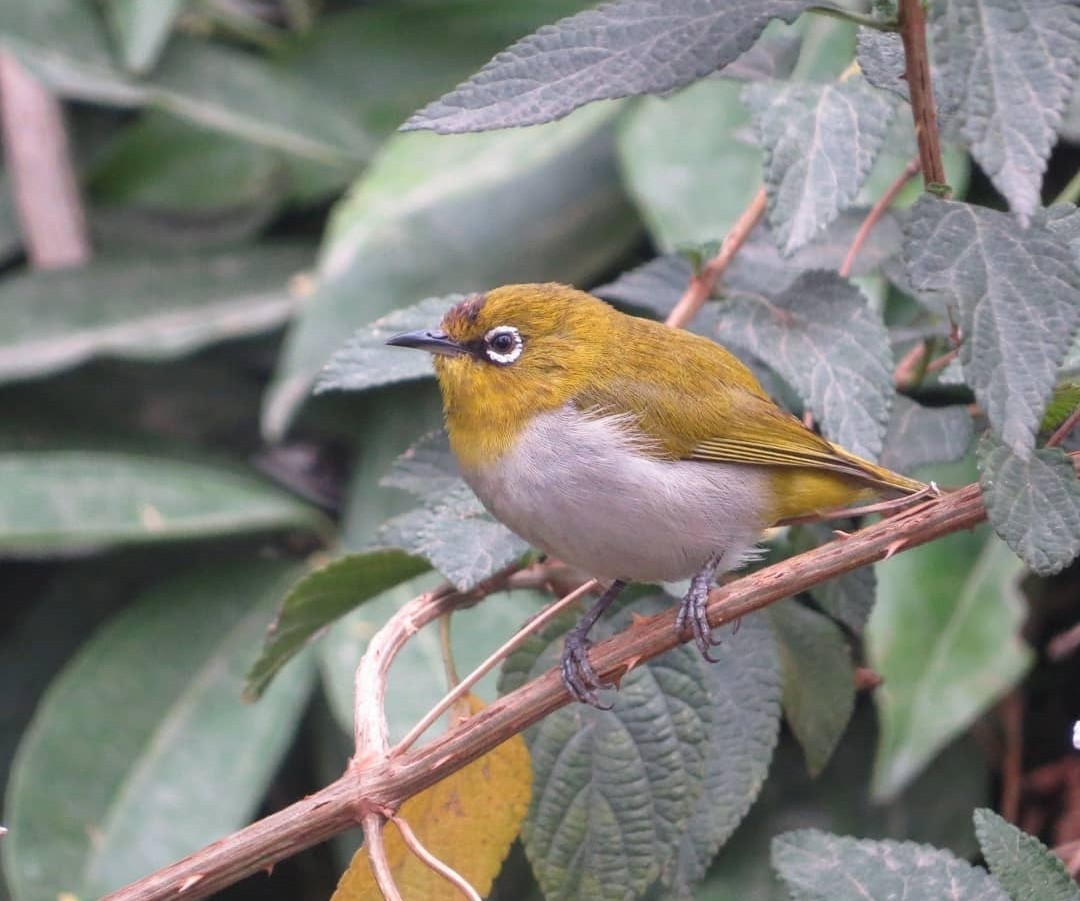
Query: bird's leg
pixel 693 610
pixel 577 673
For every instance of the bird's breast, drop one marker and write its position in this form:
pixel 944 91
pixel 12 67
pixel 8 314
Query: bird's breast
pixel 587 489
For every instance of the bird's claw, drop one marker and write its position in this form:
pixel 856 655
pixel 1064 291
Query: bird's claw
pixel 693 611
pixel 578 674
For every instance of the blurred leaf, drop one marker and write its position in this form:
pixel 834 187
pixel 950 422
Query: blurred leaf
pixel 157 688
pixel 1018 295
pixel 651 788
pixel 1033 504
pixel 1012 63
pixel 822 338
pixel 1026 868
pixel 467 820
pixel 116 307
pixel 435 214
pixel 687 164
pixel 819 143
pixel 141 27
pixel 944 635
pixel 456 535
pixel 818 679
pixel 919 435
pixel 623 49
pixel 321 597
pixel 817 866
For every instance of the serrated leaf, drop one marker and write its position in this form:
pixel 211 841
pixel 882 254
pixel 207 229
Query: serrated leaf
pixel 141 27
pixel 157 687
pixel 1025 867
pixel 434 215
pixel 818 679
pixel 116 308
pixel 822 338
pixel 819 143
pixel 945 637
pixel 1011 64
pixel 366 362
pixel 321 597
pixel 650 789
pixel 1033 504
pixel 426 468
pixel 817 866
pixel 919 435
pixel 1018 296
pixel 622 49
pixel 454 533
pixel 467 820
pixel 880 55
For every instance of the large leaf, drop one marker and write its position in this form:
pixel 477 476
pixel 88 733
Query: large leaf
pixel 649 790
pixel 1018 296
pixel 142 751
pixel 1027 869
pixel 919 435
pixel 817 866
pixel 117 308
pixel 1033 504
pixel 819 143
pixel 320 598
pixel 621 49
pixel 142 27
pixel 1011 64
pixel 944 635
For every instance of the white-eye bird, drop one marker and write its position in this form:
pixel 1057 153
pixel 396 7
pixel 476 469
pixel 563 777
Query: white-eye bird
pixel 637 452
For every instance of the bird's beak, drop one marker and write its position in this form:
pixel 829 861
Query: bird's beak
pixel 433 342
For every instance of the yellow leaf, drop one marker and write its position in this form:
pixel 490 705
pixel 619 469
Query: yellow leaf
pixel 468 821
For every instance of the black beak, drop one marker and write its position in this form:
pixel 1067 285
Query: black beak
pixel 432 342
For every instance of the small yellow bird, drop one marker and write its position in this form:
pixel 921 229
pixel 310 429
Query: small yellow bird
pixel 637 452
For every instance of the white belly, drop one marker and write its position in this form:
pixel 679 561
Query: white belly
pixel 574 486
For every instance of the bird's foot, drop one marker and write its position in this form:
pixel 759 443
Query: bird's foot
pixel 577 673
pixel 693 610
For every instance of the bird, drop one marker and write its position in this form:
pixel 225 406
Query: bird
pixel 631 450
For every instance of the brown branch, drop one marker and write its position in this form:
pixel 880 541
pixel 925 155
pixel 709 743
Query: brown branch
pixel 1062 431
pixel 917 73
pixel 703 284
pixel 876 212
pixel 42 176
pixel 383 785
pixel 1011 711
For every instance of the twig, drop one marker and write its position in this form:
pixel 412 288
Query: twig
pixel 1012 774
pixel 917 73
pixel 909 364
pixel 448 873
pixel 546 615
pixel 39 161
pixel 703 284
pixel 383 785
pixel 1071 192
pixel 1063 644
pixel 876 212
pixel 1062 431
pixel 375 848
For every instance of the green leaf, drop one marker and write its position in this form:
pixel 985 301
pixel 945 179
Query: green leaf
pixel 817 866
pixel 426 468
pixel 157 688
pixel 366 362
pixel 456 535
pixel 1018 295
pixel 880 55
pixel 819 143
pixel 945 636
pixel 919 435
pixel 1024 866
pixel 141 27
pixel 434 215
pixel 1033 504
pixel 116 307
pixel 321 597
pixel 651 788
pixel 821 336
pixel 818 679
pixel 1012 64
pixel 622 49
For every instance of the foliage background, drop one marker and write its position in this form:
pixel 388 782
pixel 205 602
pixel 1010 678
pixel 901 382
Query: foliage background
pixel 166 474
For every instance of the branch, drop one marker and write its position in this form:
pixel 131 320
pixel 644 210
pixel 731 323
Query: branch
pixel 384 785
pixel 876 212
pixel 917 73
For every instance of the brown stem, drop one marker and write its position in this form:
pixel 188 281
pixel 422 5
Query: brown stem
pixel 384 784
pixel 1012 774
pixel 917 73
pixel 42 176
pixel 1062 431
pixel 703 284
pixel 875 214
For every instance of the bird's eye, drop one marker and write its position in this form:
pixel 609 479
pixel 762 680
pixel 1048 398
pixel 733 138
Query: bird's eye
pixel 503 344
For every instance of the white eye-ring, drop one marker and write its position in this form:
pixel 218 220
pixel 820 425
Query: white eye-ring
pixel 503 344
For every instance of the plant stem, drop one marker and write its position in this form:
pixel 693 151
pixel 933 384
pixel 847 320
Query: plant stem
pixel 876 212
pixel 917 73
pixel 1071 192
